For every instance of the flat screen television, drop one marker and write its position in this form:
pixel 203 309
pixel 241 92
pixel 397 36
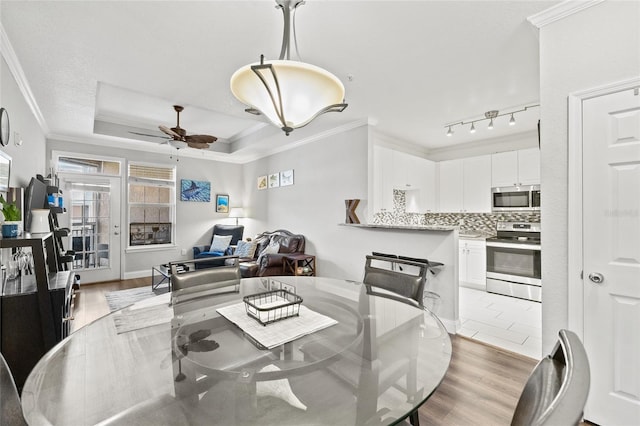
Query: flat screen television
pixel 5 171
pixel 35 197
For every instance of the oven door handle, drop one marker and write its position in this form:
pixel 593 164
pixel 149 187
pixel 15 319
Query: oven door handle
pixel 535 247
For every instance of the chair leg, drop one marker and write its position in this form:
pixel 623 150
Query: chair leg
pixel 414 419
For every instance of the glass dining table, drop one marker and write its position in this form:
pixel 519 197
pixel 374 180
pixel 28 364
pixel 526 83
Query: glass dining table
pixel 369 358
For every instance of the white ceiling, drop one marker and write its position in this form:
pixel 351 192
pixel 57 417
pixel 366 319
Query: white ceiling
pixel 410 67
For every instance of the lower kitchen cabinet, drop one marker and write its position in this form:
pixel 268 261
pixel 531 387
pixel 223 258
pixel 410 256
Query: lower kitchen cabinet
pixel 473 264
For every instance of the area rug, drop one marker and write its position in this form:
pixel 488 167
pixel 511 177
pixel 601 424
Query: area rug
pixel 123 298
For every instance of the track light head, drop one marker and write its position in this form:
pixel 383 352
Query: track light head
pixel 449 132
pixel 512 121
pixel 473 128
pixel 490 126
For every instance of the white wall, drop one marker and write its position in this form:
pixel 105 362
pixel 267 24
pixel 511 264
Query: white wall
pixel 327 172
pixel 194 220
pixel 596 46
pixel 29 158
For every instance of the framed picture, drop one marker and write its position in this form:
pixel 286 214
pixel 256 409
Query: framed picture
pixel 262 182
pixel 222 203
pixel 286 178
pixel 274 180
pixel 195 190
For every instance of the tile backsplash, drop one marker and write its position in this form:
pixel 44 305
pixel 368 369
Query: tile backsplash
pixel 484 223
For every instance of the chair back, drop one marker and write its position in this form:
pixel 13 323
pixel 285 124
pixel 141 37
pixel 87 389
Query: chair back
pixel 404 277
pixel 236 232
pixel 10 407
pixel 204 282
pixel 557 389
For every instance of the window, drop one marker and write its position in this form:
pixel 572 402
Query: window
pixel 152 202
pixel 88 166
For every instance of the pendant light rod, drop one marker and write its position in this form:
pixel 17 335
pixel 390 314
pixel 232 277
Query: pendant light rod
pixel 489 115
pixel 289 93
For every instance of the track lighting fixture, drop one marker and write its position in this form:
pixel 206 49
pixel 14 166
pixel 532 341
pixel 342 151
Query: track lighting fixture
pixel 489 115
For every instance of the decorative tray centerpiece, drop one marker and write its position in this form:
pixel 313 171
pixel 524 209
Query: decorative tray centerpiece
pixel 272 306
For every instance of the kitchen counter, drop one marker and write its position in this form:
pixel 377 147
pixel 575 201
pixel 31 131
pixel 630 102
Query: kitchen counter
pixel 409 227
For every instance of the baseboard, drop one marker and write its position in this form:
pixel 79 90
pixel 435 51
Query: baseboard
pixel 452 326
pixel 137 274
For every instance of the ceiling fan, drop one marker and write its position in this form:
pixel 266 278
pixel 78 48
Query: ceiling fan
pixel 178 135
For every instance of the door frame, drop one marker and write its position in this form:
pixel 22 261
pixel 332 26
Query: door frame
pixel 575 290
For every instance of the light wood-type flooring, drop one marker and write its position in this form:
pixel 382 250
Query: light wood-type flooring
pixel 481 387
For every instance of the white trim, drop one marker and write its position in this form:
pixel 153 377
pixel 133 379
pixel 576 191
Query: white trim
pixel 575 285
pixel 452 326
pixel 13 63
pixel 137 274
pixel 560 11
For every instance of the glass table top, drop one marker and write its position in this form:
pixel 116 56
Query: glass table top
pixel 156 363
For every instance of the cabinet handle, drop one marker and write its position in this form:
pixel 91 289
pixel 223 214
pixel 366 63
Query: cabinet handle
pixel 66 319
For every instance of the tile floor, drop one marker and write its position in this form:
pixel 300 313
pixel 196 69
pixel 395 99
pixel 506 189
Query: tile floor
pixel 506 322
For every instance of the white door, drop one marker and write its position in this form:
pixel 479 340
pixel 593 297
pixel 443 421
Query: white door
pixel 611 238
pixel 93 216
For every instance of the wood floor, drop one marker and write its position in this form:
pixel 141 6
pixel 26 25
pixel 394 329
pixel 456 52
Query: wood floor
pixel 481 387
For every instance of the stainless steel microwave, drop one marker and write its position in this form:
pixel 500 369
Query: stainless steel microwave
pixel 515 198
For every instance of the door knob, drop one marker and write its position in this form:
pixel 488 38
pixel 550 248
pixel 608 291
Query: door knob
pixel 596 277
pixel 116 233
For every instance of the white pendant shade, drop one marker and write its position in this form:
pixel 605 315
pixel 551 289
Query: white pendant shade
pixel 306 91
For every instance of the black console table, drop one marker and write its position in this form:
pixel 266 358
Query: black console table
pixel 35 309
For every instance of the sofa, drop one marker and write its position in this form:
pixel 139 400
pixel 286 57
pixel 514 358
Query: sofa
pixel 203 252
pixel 266 261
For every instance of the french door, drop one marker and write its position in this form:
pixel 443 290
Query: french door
pixel 93 217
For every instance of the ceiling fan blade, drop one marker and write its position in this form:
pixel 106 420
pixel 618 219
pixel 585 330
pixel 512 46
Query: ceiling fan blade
pixel 198 145
pixel 170 132
pixel 148 135
pixel 200 139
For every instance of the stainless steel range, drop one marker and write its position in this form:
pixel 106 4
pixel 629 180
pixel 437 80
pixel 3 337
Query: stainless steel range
pixel 513 261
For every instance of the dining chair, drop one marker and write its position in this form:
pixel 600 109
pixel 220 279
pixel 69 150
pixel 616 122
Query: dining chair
pixel 10 407
pixel 557 389
pixel 204 282
pixel 404 277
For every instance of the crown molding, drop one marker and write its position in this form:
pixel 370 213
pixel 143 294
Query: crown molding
pixel 13 63
pixel 560 11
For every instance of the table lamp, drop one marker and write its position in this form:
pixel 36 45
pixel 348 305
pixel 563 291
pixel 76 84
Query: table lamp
pixel 236 212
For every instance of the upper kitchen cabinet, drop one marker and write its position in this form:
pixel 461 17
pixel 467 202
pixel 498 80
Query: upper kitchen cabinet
pixel 398 170
pixel 465 185
pixel 515 168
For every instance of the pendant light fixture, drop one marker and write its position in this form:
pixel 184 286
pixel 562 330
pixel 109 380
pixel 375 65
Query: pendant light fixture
pixel 489 115
pixel 289 93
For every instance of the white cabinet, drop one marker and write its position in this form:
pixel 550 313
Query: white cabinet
pixel 382 179
pixel 398 170
pixel 472 260
pixel 464 185
pixel 450 186
pixel 516 167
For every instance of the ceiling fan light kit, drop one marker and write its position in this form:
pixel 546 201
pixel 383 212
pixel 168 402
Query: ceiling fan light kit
pixel 489 115
pixel 288 93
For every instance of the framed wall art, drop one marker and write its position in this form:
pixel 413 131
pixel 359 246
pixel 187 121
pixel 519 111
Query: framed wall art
pixel 195 190
pixel 286 177
pixel 222 203
pixel 274 180
pixel 262 182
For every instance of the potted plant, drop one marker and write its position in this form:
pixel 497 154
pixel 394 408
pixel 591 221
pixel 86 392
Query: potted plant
pixel 12 218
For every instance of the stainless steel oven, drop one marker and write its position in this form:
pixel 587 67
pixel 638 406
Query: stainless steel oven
pixel 515 198
pixel 513 261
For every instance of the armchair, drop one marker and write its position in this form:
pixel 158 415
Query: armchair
pixel 202 252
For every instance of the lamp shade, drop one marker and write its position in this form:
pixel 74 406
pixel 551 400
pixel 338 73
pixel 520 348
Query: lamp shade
pixel 236 212
pixel 289 93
